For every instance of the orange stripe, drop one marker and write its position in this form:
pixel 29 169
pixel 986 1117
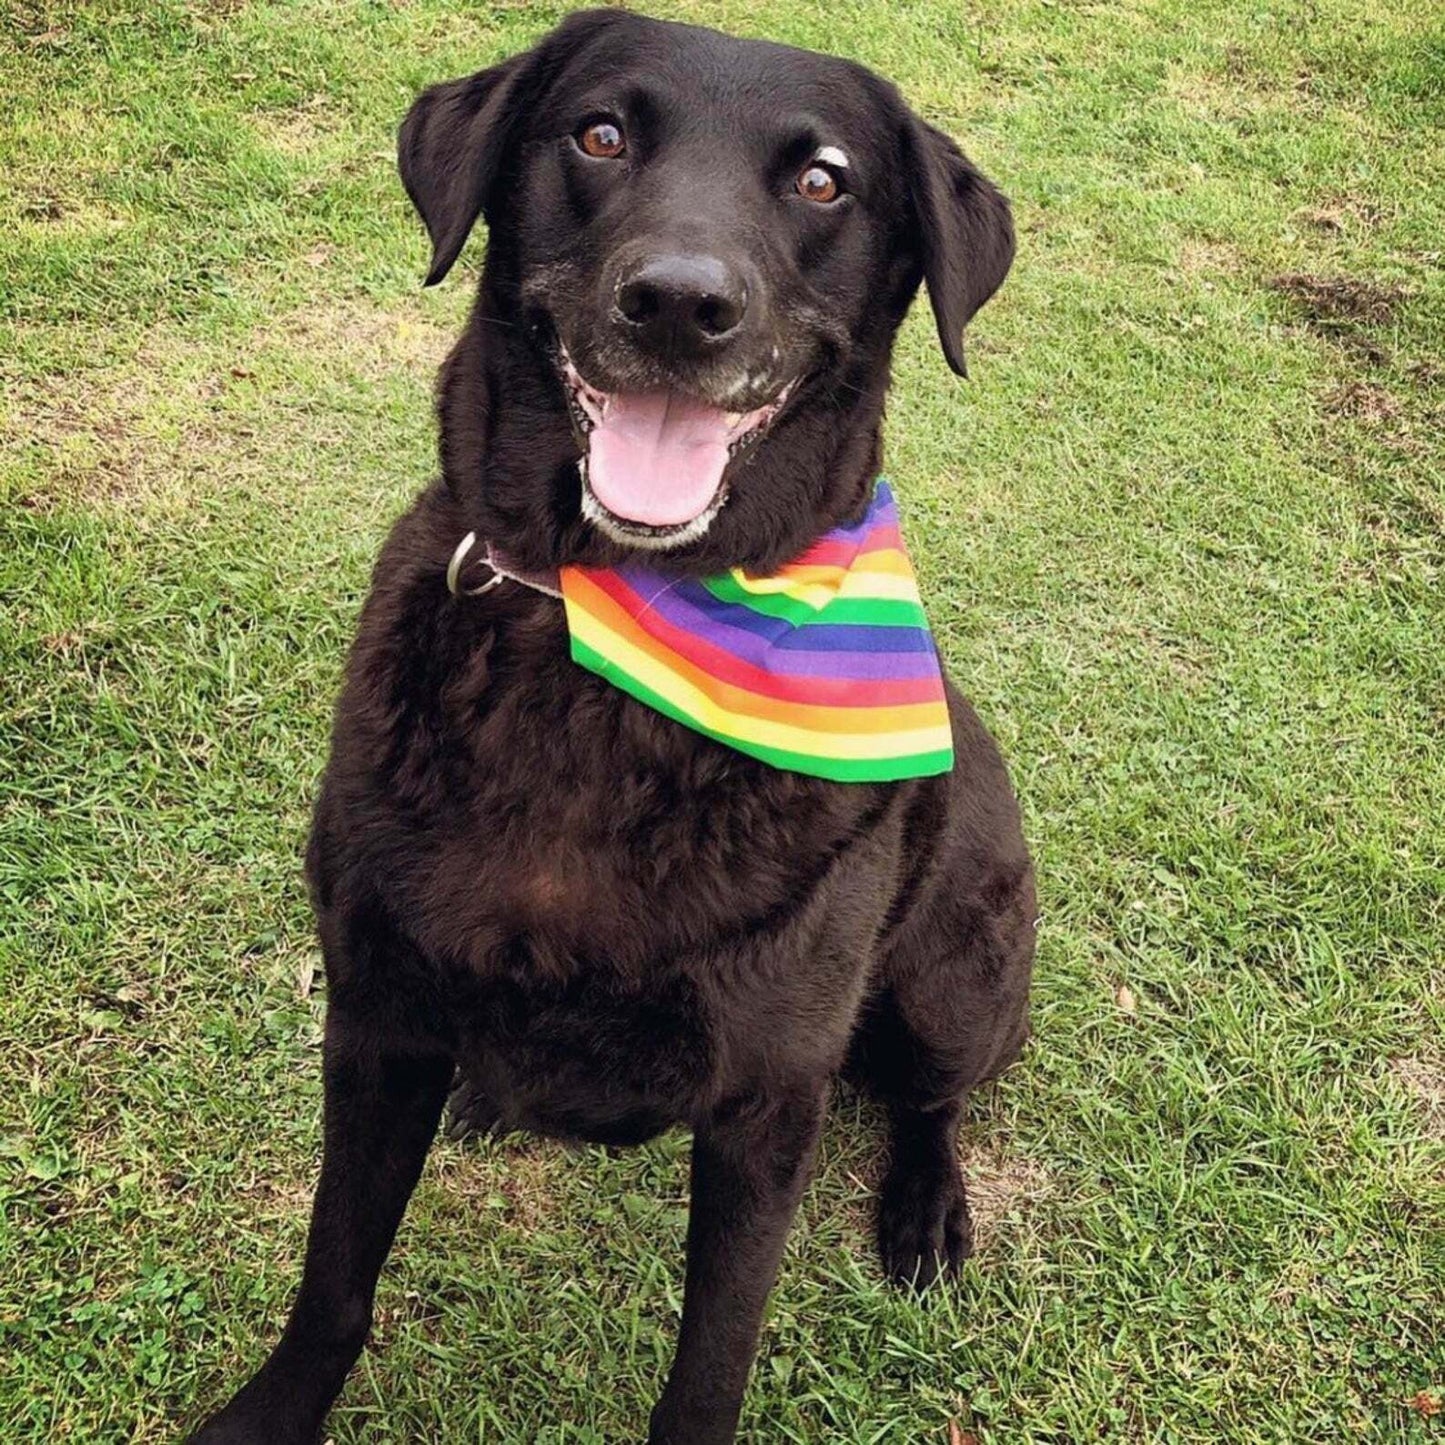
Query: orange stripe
pixel 582 592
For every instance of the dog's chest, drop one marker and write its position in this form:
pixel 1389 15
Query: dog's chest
pixel 564 812
pixel 627 916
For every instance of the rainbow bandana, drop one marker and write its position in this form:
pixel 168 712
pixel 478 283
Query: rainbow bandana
pixel 826 668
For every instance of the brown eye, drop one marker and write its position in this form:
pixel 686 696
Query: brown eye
pixel 603 140
pixel 818 183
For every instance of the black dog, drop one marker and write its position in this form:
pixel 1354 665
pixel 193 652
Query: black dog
pixel 607 922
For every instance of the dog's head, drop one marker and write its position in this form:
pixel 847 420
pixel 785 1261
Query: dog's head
pixel 706 246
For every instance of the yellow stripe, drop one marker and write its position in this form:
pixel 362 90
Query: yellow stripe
pixel 869 589
pixel 692 700
pixel 890 561
pixel 892 578
pixel 880 585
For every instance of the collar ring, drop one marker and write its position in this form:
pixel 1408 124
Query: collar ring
pixel 454 570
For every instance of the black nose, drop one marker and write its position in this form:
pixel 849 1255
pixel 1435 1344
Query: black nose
pixel 681 304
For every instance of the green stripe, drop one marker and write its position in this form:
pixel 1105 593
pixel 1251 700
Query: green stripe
pixel 839 770
pixel 842 611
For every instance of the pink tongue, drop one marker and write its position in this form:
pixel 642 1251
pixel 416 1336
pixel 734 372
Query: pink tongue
pixel 657 458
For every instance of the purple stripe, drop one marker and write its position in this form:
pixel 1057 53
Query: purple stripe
pixel 812 636
pixel 819 650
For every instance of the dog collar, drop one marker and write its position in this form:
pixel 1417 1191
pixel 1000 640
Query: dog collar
pixel 501 568
pixel 827 667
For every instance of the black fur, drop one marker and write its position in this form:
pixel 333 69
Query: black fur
pixel 609 924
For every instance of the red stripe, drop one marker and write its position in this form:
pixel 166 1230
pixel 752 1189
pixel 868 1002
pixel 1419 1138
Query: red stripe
pixel 819 691
pixel 828 553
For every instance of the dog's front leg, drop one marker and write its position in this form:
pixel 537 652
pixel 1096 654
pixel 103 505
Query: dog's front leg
pixel 382 1110
pixel 749 1166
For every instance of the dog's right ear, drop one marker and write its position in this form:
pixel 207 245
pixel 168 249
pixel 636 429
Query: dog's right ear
pixel 450 150
pixel 455 140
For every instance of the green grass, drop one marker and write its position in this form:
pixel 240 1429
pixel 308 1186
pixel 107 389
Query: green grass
pixel 1183 541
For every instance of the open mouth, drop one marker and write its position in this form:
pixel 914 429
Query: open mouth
pixel 654 463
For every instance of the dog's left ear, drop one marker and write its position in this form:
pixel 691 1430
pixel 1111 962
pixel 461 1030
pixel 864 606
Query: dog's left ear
pixel 965 232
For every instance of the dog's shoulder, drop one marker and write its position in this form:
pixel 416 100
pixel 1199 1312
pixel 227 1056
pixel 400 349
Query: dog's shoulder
pixel 422 676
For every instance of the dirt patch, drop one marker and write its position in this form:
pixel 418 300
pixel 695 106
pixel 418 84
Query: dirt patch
pixel 276 1196
pixel 1218 99
pixel 204 13
pixel 53 209
pixel 1427 374
pixel 1407 421
pixel 1423 1078
pixel 1347 310
pixel 1341 213
pixel 369 340
pixel 1001 1187
pixel 166 424
pixel 1208 258
pixel 1328 301
pixel 1361 401
pixel 41 208
pixel 105 437
pixel 1390 552
pixel 528 1187
pixel 300 129
pixel 1186 660
pixel 515 1175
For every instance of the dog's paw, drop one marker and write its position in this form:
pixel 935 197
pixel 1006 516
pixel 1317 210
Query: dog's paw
pixel 228 1429
pixel 923 1226
pixel 216 1432
pixel 470 1113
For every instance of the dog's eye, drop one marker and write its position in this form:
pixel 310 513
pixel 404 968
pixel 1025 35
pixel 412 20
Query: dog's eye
pixel 818 183
pixel 601 139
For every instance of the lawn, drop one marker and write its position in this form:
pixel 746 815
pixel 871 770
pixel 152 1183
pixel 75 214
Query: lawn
pixel 1183 540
